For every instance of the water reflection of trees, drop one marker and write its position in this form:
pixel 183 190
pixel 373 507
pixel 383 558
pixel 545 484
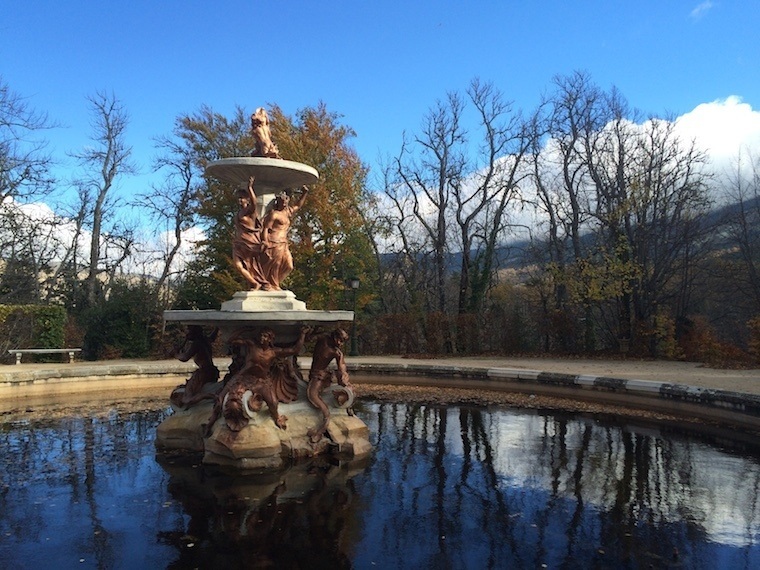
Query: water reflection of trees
pixel 61 478
pixel 487 489
pixel 446 487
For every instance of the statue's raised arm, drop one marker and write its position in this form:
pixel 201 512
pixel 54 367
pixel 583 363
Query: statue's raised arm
pixel 295 206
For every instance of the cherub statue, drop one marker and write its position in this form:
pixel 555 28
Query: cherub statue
pixel 256 376
pixel 327 348
pixel 260 131
pixel 198 347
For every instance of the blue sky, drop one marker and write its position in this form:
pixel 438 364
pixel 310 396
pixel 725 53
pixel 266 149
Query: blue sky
pixel 379 64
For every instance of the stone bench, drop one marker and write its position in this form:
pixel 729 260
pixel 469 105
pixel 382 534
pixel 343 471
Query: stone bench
pixel 20 351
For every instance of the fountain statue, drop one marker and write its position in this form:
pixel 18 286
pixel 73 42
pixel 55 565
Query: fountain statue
pixel 263 413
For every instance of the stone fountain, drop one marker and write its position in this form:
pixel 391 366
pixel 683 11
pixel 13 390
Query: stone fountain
pixel 263 413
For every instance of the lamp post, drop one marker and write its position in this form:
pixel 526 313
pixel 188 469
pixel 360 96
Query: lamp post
pixel 353 284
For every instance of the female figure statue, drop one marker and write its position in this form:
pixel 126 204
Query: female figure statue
pixel 246 245
pixel 277 261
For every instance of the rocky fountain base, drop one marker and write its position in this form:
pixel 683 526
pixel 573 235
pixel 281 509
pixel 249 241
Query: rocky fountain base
pixel 252 439
pixel 261 445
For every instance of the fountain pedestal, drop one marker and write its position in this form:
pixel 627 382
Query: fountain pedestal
pixel 262 444
pixel 247 310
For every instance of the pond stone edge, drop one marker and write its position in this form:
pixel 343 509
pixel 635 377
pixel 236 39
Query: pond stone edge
pixel 735 408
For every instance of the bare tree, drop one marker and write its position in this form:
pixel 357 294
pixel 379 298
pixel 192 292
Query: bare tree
pixel 669 202
pixel 30 243
pixel 402 251
pixel 459 195
pixel 26 235
pixel 103 163
pixel 451 189
pixel 426 170
pixel 484 200
pixel 64 282
pixel 568 125
pixel 577 114
pixel 651 203
pixel 624 202
pixel 24 163
pixel 173 204
pixel 741 226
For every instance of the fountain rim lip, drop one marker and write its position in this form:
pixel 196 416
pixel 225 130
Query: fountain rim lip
pixel 298 173
pixel 214 317
pixel 263 161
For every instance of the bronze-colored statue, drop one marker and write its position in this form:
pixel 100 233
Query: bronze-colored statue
pixel 198 347
pixel 260 249
pixel 246 245
pixel 237 362
pixel 260 131
pixel 256 376
pixel 277 261
pixel 327 348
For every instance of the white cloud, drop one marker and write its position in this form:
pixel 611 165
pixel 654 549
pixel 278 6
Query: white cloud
pixel 723 129
pixel 149 256
pixel 700 10
pixel 48 233
pixel 51 235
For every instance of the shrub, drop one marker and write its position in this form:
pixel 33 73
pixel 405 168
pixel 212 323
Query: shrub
pixel 658 338
pixel 122 325
pixel 699 343
pixel 753 325
pixel 32 326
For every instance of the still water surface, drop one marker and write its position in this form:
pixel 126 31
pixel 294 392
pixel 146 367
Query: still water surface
pixel 446 487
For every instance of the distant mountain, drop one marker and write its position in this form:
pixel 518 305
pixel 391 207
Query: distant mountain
pixel 517 254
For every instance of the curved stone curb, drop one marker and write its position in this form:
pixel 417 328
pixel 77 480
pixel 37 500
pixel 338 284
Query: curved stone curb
pixel 737 409
pixel 734 408
pixel 77 372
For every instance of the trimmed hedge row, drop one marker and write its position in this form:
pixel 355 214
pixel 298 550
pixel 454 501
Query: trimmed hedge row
pixel 32 326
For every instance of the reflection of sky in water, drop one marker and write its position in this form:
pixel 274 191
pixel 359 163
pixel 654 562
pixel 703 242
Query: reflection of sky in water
pixel 676 477
pixel 457 487
pixel 525 490
pixel 81 489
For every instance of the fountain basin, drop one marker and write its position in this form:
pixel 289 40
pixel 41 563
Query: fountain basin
pixel 272 174
pixel 449 485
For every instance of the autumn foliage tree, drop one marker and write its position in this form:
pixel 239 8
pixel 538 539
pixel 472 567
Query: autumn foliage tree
pixel 328 241
pixel 205 136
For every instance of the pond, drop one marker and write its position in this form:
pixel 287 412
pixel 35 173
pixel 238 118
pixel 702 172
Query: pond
pixel 460 486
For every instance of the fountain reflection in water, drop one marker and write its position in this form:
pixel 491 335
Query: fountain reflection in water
pixel 446 487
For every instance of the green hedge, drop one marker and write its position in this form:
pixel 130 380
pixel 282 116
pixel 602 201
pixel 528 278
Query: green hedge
pixel 32 326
